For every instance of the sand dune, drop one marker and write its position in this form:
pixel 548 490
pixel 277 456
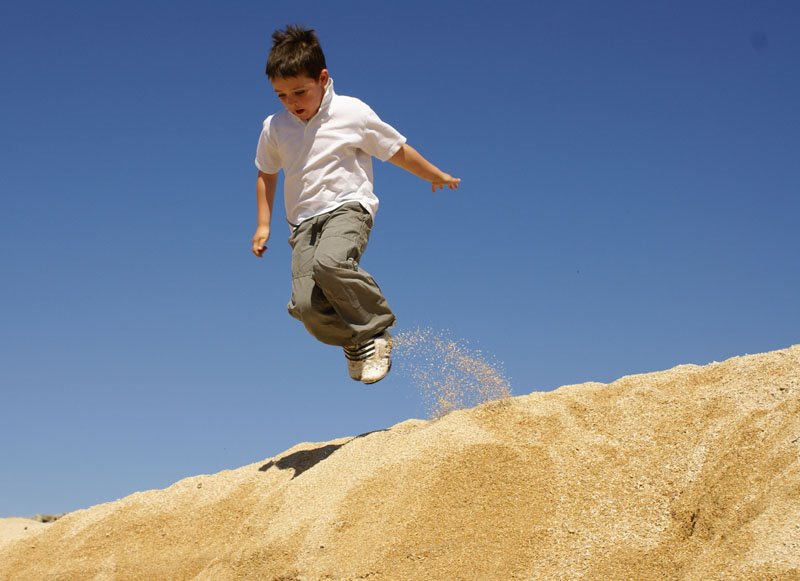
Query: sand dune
pixel 690 473
pixel 13 529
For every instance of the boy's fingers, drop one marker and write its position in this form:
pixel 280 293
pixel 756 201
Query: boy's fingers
pixel 258 248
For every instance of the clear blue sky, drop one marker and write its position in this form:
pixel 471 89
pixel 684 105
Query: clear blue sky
pixel 629 202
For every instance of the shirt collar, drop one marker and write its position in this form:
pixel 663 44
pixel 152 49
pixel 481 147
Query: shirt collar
pixel 324 104
pixel 327 97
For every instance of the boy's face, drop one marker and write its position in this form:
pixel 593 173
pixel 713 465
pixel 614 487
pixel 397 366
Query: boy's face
pixel 301 95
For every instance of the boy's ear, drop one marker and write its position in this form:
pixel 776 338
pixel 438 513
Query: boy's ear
pixel 324 76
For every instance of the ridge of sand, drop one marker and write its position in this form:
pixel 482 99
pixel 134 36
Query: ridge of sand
pixel 15 528
pixel 689 473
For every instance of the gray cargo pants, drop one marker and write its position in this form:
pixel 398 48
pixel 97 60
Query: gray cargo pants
pixel 338 302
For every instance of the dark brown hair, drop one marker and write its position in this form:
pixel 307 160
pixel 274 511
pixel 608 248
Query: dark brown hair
pixel 295 52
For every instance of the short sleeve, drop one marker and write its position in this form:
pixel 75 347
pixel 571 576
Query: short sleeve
pixel 267 157
pixel 380 139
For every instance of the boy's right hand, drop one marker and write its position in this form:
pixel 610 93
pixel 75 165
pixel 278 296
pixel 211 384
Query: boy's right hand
pixel 445 180
pixel 260 240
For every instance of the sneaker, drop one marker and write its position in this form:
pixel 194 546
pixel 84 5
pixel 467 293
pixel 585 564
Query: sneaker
pixel 355 361
pixel 370 361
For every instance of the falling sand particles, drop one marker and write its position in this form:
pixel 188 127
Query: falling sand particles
pixel 449 374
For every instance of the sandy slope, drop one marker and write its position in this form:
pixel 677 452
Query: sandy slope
pixel 12 529
pixel 691 473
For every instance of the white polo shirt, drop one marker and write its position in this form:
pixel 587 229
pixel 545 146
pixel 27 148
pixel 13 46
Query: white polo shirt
pixel 326 161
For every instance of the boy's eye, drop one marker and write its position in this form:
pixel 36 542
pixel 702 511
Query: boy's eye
pixel 298 93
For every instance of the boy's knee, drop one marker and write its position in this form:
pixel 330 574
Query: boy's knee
pixel 309 307
pixel 298 307
pixel 326 268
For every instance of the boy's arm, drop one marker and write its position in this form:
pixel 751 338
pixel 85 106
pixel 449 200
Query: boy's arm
pixel 265 197
pixel 410 160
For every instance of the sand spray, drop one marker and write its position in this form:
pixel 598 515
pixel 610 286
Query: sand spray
pixel 449 374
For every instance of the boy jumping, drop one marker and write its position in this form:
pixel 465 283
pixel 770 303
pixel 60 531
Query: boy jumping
pixel 324 143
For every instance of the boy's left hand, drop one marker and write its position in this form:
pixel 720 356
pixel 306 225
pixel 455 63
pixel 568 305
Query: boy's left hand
pixel 445 180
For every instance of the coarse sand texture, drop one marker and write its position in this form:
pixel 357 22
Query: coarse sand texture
pixel 690 473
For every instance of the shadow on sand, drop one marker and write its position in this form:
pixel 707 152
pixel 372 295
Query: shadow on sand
pixel 306 459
